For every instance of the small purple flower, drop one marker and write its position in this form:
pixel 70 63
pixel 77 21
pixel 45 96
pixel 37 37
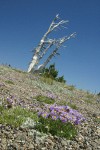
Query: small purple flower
pixel 39 113
pixel 45 115
pixel 9 100
pixel 77 121
pixel 63 119
pixel 53 112
pixel 54 117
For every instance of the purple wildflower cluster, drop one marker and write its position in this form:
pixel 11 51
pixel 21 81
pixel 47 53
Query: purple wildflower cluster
pixel 13 101
pixel 9 100
pixel 64 113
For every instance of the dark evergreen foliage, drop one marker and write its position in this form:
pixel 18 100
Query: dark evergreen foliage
pixel 98 94
pixel 52 73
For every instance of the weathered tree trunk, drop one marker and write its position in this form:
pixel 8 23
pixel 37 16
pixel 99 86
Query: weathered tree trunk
pixel 37 56
pixel 60 42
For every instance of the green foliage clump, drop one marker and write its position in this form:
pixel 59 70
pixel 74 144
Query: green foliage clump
pixel 47 80
pixel 45 99
pixel 71 87
pixel 15 116
pixel 52 73
pixel 56 127
pixel 61 79
pixel 97 120
pixel 98 94
pixel 59 120
pixel 1 109
pixel 9 82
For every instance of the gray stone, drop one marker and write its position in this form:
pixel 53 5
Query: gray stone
pixel 29 123
pixel 80 138
pixel 98 131
pixel 43 148
pixel 31 146
pixel 98 147
pixel 64 142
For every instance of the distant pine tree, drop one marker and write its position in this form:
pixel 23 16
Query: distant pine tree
pixel 52 73
pixel 61 79
pixel 98 94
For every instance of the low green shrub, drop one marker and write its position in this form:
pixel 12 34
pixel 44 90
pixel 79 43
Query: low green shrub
pixel 47 80
pixel 59 120
pixel 52 73
pixel 56 127
pixel 98 94
pixel 1 109
pixel 9 82
pixel 97 120
pixel 61 79
pixel 15 116
pixel 45 99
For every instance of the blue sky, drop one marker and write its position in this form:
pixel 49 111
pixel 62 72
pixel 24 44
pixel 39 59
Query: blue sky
pixel 23 23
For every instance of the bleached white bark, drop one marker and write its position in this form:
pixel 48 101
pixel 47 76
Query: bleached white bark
pixel 45 42
pixel 59 44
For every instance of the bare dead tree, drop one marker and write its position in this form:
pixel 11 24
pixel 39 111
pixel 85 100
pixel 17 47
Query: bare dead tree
pixel 59 44
pixel 45 44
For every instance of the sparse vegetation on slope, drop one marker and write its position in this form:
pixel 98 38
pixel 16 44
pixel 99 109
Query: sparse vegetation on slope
pixel 15 116
pixel 23 95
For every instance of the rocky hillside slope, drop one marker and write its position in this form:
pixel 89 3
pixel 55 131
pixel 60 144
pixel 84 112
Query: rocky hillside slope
pixel 22 88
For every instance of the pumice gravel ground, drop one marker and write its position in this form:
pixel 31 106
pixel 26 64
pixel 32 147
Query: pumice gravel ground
pixel 19 88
